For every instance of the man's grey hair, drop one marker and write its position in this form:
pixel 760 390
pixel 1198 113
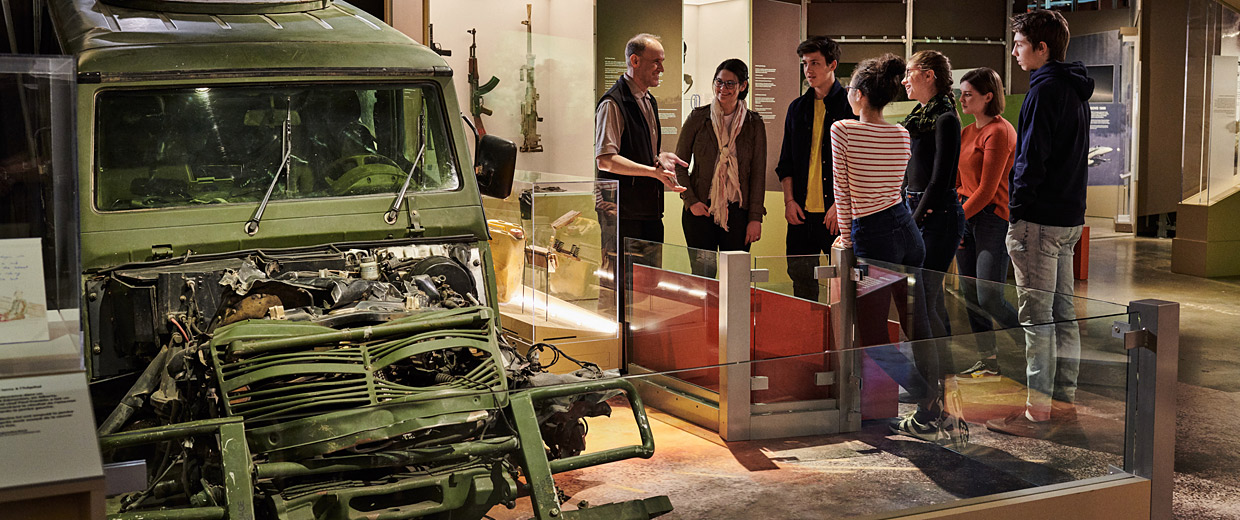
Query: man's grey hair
pixel 637 44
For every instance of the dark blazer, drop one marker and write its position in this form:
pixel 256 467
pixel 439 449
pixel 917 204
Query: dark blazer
pixel 798 137
pixel 697 138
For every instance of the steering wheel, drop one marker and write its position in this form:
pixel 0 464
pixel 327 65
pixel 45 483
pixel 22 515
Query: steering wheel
pixel 365 173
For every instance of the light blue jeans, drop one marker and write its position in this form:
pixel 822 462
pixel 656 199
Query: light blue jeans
pixel 1042 258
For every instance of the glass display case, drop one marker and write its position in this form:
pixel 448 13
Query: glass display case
pixel 46 421
pixel 39 295
pixel 800 387
pixel 554 241
pixel 1211 113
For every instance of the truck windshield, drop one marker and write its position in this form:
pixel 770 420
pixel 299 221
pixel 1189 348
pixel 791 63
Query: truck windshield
pixel 222 145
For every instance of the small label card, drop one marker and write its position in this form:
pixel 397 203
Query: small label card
pixel 23 303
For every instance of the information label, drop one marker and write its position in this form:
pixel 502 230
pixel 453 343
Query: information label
pixel 47 430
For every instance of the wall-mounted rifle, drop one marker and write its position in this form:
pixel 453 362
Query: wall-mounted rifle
pixel 430 42
pixel 529 107
pixel 476 91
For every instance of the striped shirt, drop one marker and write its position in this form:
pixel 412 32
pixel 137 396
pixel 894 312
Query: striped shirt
pixel 868 163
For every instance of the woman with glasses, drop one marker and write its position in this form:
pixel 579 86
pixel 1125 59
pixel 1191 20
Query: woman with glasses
pixel 869 158
pixel 726 184
pixel 987 152
pixel 934 131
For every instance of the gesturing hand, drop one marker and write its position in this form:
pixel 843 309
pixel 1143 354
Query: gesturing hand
pixel 668 161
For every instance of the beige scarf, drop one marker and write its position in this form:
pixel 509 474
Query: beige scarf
pixel 726 187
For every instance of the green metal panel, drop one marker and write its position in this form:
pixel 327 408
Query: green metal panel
pixel 106 38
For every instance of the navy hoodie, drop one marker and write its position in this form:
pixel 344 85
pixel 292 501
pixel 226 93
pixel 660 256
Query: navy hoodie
pixel 1049 177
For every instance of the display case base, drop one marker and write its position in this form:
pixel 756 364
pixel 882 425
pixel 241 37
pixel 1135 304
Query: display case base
pixel 529 327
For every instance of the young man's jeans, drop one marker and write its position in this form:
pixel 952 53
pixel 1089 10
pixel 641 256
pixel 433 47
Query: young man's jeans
pixel 983 264
pixel 1042 257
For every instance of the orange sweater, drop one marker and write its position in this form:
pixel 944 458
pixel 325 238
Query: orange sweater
pixel 986 157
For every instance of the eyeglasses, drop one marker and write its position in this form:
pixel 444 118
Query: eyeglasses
pixel 730 85
pixel 908 73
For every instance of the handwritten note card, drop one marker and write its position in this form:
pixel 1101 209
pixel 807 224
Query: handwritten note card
pixel 23 303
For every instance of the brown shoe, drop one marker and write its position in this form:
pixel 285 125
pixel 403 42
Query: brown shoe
pixel 1063 411
pixel 1018 424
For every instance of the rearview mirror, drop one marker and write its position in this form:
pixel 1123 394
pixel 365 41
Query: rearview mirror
pixel 495 163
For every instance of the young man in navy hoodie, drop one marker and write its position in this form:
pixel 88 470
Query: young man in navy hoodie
pixel 1047 213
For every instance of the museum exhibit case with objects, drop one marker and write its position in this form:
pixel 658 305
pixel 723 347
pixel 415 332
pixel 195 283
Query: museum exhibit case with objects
pixel 1205 245
pixel 553 242
pixel 274 259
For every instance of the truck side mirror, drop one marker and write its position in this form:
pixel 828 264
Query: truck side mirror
pixel 495 163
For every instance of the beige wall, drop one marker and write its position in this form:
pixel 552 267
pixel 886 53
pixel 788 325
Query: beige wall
pixel 1102 201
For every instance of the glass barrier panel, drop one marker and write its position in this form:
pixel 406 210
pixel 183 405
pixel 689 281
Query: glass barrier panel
pixel 794 275
pixel 672 314
pixel 963 446
pixel 955 304
pixel 794 349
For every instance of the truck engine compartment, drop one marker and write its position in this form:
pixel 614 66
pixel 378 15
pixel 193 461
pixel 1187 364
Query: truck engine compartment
pixel 352 367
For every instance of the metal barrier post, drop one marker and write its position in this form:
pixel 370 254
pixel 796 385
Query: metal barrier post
pixel 735 324
pixel 844 329
pixel 1153 342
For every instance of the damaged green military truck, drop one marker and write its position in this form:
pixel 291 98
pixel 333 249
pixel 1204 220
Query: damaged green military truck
pixel 290 305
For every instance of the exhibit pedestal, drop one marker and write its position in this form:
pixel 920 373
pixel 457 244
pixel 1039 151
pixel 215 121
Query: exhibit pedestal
pixel 1206 243
pixel 69 500
pixel 566 332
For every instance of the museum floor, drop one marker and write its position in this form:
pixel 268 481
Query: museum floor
pixel 870 471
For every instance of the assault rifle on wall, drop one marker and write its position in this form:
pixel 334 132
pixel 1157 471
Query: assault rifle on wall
pixel 477 91
pixel 430 41
pixel 529 107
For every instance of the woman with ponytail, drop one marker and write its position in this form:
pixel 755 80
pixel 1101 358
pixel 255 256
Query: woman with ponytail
pixel 934 131
pixel 726 185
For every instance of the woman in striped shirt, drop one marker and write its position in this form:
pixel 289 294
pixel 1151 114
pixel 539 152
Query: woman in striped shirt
pixel 869 157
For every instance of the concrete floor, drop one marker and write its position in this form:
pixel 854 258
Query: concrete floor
pixel 871 471
pixel 1207 450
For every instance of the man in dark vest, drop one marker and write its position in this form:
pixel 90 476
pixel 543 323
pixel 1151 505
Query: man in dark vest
pixel 627 139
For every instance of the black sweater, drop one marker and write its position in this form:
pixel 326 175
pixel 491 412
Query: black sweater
pixel 932 166
pixel 797 147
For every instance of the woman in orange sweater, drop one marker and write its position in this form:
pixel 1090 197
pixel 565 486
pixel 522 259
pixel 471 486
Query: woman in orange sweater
pixel 987 151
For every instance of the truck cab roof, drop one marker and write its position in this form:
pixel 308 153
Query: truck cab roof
pixel 121 40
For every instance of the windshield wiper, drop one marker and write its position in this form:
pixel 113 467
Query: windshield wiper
pixel 286 147
pixel 390 216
